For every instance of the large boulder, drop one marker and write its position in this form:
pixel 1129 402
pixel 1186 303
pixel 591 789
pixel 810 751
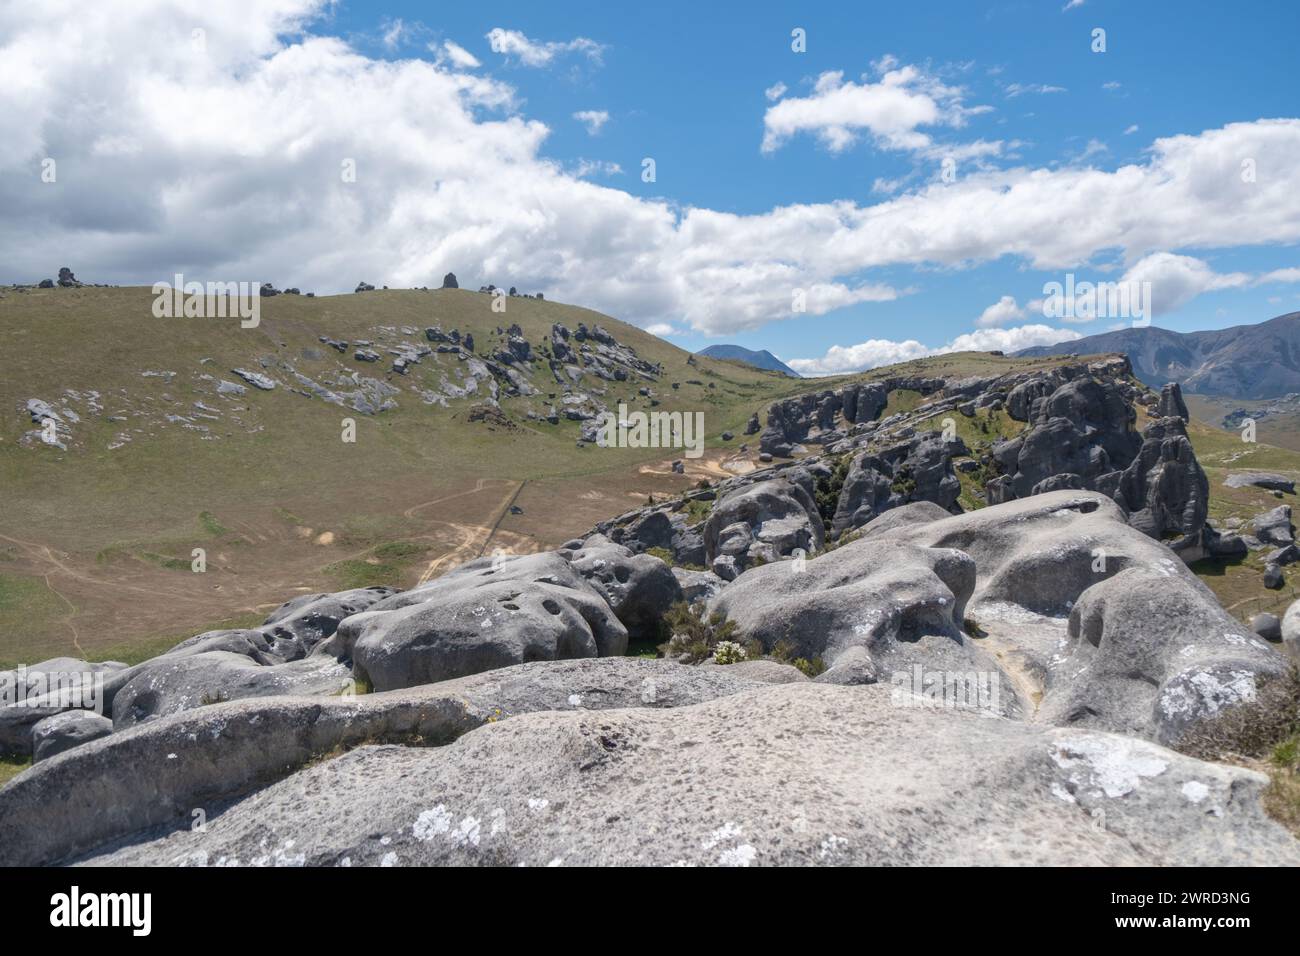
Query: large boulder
pixel 29 695
pixel 473 629
pixel 170 684
pixel 72 728
pixel 792 774
pixel 919 469
pixel 297 626
pixel 639 588
pixel 886 600
pixel 1274 527
pixel 1164 488
pixel 1063 570
pixel 763 522
pixel 1291 631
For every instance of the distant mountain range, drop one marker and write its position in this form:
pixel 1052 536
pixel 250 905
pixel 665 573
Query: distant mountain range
pixel 761 359
pixel 1246 361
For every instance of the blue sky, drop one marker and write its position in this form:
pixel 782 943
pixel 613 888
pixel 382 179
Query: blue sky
pixel 789 155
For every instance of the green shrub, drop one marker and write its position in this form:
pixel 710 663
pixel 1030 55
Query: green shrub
pixel 693 635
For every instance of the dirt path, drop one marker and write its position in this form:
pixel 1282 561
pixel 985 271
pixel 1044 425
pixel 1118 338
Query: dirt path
pixel 465 548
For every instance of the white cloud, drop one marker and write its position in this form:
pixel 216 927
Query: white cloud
pixel 1000 313
pixel 1020 89
pixel 890 111
pixel 1280 275
pixel 662 329
pixel 1112 85
pixel 459 56
pixel 592 119
pixel 1176 280
pixel 1131 130
pixel 1072 4
pixel 395 32
pixel 775 91
pixel 515 45
pixel 452 176
pixel 841 359
pixel 596 167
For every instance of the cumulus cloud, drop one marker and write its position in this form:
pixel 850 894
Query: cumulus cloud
pixel 891 110
pixel 775 91
pixel 1000 313
pixel 516 46
pixel 222 160
pixel 1176 280
pixel 592 119
pixel 842 359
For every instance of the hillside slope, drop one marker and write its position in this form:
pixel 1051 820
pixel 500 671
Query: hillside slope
pixel 155 456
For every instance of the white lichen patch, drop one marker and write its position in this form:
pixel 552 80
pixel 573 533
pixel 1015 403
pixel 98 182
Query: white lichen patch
pixel 1112 765
pixel 1195 791
pixel 1204 694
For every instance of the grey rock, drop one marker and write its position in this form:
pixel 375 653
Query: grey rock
pixel 1171 404
pixel 1267 626
pixel 1260 479
pixel 864 780
pixel 764 521
pixel 155 774
pixel 256 379
pixel 54 735
pixel 1274 526
pixel 639 588
pixel 1274 579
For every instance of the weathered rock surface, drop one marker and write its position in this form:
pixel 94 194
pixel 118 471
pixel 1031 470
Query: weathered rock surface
pixel 864 779
pixel 761 522
pixel 919 469
pixel 156 773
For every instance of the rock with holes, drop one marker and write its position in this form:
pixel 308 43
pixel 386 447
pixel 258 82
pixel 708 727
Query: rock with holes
pixel 639 588
pixel 478 620
pixel 297 626
pixel 866 777
pixel 1149 655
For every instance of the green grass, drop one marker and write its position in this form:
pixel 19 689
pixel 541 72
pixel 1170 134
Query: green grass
pixel 139 649
pixel 28 609
pixel 210 525
pixel 11 767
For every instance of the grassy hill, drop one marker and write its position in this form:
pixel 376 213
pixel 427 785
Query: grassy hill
pixel 96 541
pixel 96 538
